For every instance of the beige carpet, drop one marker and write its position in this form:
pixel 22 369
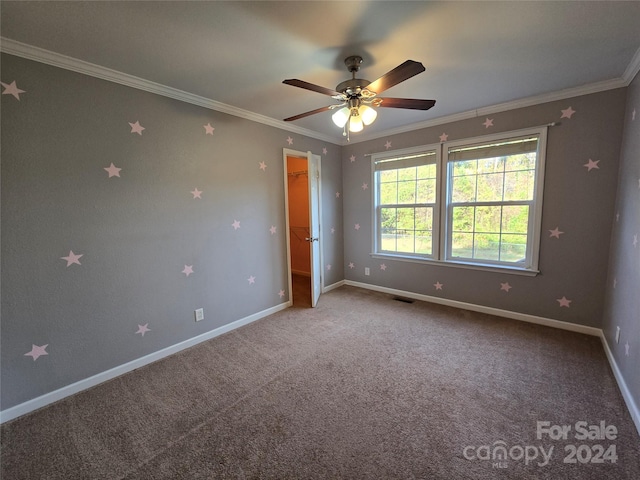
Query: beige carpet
pixel 362 387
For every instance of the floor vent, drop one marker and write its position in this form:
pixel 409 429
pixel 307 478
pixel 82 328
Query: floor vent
pixel 402 299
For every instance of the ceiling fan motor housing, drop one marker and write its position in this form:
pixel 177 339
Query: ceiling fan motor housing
pixel 353 87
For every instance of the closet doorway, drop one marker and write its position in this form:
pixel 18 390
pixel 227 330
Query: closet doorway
pixel 302 203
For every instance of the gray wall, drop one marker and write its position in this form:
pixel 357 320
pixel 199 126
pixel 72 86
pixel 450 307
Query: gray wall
pixel 622 306
pixel 578 201
pixel 136 232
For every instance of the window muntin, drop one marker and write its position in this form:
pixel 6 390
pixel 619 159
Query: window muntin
pixel 483 209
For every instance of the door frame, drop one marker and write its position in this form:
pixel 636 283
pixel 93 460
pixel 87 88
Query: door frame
pixel 287 152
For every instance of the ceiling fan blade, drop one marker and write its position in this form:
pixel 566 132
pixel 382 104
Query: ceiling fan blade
pixel 310 86
pixel 410 103
pixel 306 114
pixel 399 74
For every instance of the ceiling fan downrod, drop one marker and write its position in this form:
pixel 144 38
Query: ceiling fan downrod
pixel 353 87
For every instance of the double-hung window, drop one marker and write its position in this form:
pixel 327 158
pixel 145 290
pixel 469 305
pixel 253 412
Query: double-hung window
pixel 474 202
pixel 406 187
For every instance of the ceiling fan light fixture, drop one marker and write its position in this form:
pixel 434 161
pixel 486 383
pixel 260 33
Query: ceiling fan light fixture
pixel 355 123
pixel 367 114
pixel 341 117
pixel 359 97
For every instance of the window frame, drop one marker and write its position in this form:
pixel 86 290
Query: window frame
pixel 443 209
pixel 435 231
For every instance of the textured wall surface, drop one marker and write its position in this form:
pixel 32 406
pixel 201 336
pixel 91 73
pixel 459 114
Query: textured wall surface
pixel 578 200
pixel 112 235
pixel 622 307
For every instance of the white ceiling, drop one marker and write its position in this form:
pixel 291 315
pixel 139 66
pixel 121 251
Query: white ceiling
pixel 476 54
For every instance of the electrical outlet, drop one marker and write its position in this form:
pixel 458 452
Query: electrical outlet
pixel 367 271
pixel 199 313
pixel 617 334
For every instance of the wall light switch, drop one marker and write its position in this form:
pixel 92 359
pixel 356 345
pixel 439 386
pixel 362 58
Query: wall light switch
pixel 617 334
pixel 199 314
pixel 367 271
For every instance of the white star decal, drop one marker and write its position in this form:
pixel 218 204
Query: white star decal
pixel 208 129
pixel 337 194
pixel 251 280
pixel 196 193
pixel 136 127
pixel 12 89
pixel 235 224
pixel 333 229
pixel 567 112
pixel 352 265
pixel 328 266
pixel 352 158
pixel 591 165
pixel 564 302
pixel 72 258
pixel 113 171
pixel 383 267
pixel 263 166
pixel 365 186
pixel 188 270
pixel 505 286
pixel 626 349
pixel 324 150
pixel 555 233
pixel 387 145
pixel 357 226
pixel 272 229
pixel 281 293
pixel 37 351
pixel 438 285
pixel 142 329
pixel 488 123
pixel 290 140
pixel 444 137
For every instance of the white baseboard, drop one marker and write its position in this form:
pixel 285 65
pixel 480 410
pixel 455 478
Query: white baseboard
pixel 51 397
pixel 624 389
pixel 626 394
pixel 333 286
pixel 573 327
pixel 44 400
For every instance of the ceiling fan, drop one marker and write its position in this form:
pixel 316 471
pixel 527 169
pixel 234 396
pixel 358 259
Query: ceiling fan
pixel 358 96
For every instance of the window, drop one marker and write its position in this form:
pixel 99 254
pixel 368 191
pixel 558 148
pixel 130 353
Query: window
pixel 406 207
pixel 483 210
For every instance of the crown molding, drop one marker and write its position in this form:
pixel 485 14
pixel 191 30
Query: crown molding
pixel 503 107
pixel 48 57
pixel 632 69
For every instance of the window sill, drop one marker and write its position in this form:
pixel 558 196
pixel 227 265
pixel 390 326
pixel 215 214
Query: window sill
pixel 463 265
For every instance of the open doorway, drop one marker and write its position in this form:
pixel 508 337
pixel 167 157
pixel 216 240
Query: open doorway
pixel 299 231
pixel 302 199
